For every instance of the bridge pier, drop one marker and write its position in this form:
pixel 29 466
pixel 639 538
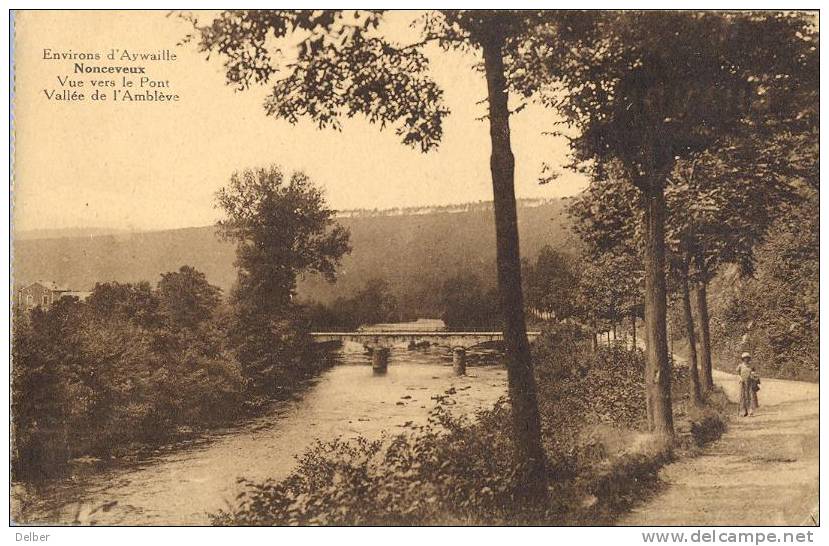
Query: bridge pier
pixel 380 360
pixel 459 360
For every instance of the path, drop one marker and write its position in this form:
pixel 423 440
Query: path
pixel 763 471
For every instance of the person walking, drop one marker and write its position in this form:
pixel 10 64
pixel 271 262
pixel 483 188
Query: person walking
pixel 748 381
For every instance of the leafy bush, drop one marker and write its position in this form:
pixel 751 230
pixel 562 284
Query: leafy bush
pixel 701 425
pixel 85 384
pixel 579 388
pixel 451 470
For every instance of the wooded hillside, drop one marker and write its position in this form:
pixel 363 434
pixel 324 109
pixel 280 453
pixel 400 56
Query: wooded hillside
pixel 415 251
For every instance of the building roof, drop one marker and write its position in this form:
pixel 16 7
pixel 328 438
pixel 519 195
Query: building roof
pixel 50 285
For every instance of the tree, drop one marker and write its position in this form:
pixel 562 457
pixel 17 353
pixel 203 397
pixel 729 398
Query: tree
pixel 466 304
pixel 606 219
pixel 719 205
pixel 43 348
pixel 187 299
pixel 282 227
pixel 690 331
pixel 336 316
pixel 374 303
pixel 549 283
pixel 647 89
pixel 774 313
pixel 136 302
pixel 344 65
pixel 723 201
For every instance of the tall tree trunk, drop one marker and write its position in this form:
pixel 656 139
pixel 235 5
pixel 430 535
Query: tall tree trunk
pixel 522 388
pixel 657 367
pixel 633 328
pixel 706 375
pixel 614 331
pixel 693 369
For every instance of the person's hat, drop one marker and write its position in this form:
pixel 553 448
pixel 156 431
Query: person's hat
pixel 745 355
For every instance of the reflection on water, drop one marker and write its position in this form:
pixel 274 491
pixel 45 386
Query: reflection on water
pixel 183 486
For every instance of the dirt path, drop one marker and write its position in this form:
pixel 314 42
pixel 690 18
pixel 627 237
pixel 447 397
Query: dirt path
pixel 764 470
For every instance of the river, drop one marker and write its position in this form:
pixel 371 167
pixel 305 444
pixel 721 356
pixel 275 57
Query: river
pixel 182 485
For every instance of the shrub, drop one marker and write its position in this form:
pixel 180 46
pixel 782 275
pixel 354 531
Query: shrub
pixel 452 470
pixel 580 388
pixel 706 423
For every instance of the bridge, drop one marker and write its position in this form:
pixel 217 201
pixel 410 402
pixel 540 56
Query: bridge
pixel 372 338
pixel 379 342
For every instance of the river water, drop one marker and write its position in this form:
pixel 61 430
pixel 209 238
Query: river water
pixel 181 486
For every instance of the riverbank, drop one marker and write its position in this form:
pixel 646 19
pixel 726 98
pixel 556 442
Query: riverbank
pixel 183 486
pixel 464 472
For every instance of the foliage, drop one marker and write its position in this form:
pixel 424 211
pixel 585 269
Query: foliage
pixel 135 302
pixel 549 282
pixel 273 351
pixel 467 305
pixel 605 215
pixel 647 90
pixel 373 304
pixel 707 426
pixel 107 376
pixel 610 288
pixel 450 471
pixel 462 303
pixel 328 318
pixel 611 281
pixel 774 314
pixel 648 87
pixel 601 387
pixel 736 130
pixel 282 228
pixel 187 299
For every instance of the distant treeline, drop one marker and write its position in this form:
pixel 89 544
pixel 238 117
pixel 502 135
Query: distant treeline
pixel 435 209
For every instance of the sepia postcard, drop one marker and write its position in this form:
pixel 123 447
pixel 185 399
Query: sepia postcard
pixel 450 267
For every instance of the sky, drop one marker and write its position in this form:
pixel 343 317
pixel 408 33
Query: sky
pixel 149 166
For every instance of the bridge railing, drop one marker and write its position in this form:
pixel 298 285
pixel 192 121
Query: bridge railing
pixel 415 334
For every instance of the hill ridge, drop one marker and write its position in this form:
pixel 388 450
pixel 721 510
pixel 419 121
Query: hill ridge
pixel 415 253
